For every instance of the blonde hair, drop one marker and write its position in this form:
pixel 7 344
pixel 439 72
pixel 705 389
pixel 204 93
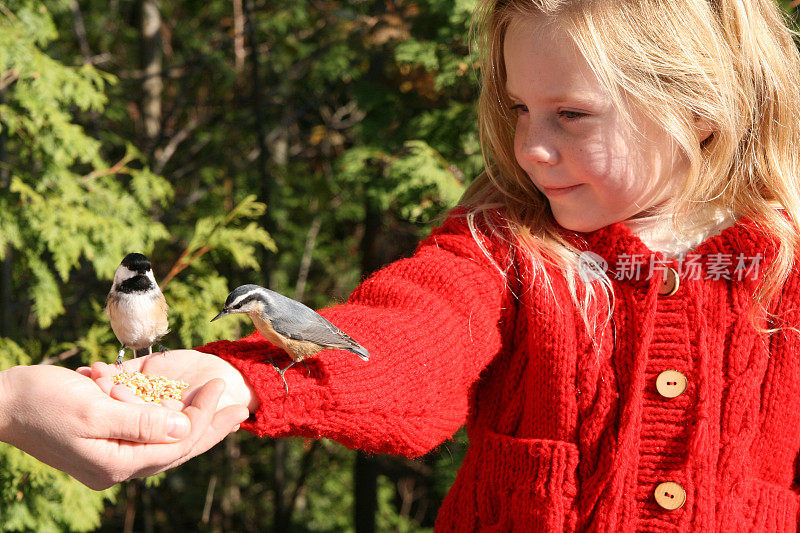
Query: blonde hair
pixel 731 63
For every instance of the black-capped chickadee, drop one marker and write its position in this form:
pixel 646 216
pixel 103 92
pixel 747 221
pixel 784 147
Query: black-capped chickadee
pixel 288 324
pixel 136 307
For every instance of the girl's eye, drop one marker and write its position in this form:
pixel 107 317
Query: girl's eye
pixel 571 115
pixel 519 108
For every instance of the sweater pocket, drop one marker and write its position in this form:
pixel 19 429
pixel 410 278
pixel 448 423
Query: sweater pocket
pixel 756 505
pixel 512 484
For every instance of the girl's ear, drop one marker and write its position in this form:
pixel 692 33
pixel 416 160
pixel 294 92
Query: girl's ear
pixel 703 128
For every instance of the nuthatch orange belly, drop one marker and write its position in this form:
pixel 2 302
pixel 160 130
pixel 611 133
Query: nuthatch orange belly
pixel 288 324
pixel 136 307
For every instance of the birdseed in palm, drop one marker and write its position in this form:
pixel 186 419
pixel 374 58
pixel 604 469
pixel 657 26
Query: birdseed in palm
pixel 151 388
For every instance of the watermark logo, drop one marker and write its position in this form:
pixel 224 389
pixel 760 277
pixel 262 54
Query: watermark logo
pixel 591 266
pixel 689 266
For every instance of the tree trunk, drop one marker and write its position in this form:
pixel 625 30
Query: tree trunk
pixel 265 180
pixel 7 263
pixel 366 488
pixel 152 85
pixel 80 31
pixel 280 520
pixel 238 36
pixel 232 496
pixel 365 473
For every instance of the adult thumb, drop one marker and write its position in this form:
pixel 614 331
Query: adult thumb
pixel 147 423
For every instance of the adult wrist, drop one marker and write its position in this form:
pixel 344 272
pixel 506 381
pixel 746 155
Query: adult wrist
pixel 6 401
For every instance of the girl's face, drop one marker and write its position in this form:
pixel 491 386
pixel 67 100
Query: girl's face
pixel 572 142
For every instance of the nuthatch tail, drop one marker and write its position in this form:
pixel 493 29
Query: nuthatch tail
pixel 288 324
pixel 136 307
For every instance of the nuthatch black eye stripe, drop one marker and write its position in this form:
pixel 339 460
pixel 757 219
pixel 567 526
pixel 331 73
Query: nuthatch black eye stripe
pixel 245 301
pixel 288 324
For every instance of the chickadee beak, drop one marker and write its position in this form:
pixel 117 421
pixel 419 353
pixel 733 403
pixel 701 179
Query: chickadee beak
pixel 222 314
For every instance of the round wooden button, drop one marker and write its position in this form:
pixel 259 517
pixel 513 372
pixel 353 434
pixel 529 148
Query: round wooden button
pixel 671 383
pixel 670 496
pixel 671 282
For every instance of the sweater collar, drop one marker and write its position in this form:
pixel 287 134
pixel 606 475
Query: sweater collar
pixel 659 234
pixel 723 253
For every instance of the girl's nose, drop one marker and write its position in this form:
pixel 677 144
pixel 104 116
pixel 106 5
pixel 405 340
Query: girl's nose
pixel 541 154
pixel 538 149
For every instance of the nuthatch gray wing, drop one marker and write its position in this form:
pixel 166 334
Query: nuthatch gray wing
pixel 288 324
pixel 136 307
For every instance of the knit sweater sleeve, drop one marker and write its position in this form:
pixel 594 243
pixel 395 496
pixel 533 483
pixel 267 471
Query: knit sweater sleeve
pixel 431 323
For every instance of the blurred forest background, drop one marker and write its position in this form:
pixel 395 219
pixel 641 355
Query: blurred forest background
pixel 297 144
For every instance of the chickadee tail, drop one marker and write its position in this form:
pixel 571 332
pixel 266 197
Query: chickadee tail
pixel 359 351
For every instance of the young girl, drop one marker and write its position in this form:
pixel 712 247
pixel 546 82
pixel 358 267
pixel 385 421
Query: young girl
pixel 612 310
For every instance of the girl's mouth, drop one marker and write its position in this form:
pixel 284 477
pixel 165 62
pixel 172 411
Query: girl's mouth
pixel 558 191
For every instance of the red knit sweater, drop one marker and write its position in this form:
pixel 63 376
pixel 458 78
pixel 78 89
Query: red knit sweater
pixel 562 436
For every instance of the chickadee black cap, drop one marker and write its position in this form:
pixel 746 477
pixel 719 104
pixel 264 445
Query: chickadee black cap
pixel 136 263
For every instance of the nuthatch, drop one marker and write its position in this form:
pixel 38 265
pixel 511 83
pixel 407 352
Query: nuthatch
pixel 288 324
pixel 136 307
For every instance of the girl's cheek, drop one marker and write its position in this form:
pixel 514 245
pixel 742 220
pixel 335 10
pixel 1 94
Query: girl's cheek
pixel 518 150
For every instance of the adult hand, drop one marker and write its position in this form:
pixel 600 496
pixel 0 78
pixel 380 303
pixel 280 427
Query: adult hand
pixel 65 420
pixel 193 367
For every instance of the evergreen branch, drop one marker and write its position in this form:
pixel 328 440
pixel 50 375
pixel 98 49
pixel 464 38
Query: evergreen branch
pixel 164 154
pixel 8 77
pixel 182 263
pixel 212 483
pixel 193 253
pixel 116 168
pixel 60 357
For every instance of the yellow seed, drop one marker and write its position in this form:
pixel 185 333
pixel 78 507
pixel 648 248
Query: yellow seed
pixel 151 388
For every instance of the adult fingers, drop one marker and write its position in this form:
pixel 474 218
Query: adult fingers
pixel 157 458
pixel 146 423
pixel 124 394
pixel 223 424
pixel 170 403
pixel 100 368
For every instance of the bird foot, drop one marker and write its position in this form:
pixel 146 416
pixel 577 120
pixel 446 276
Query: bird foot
pixel 280 373
pixel 121 356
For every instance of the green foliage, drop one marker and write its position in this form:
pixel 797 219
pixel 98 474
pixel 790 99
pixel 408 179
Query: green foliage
pixel 68 217
pixel 368 111
pixel 387 518
pixel 13 354
pixel 35 497
pixel 416 182
pixel 48 222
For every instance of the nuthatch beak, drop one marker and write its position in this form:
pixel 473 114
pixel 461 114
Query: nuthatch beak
pixel 223 313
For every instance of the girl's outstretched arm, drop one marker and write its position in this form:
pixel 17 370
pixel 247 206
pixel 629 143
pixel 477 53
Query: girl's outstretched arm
pixel 431 323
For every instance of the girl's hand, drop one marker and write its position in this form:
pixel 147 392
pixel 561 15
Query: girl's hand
pixel 193 367
pixel 65 420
